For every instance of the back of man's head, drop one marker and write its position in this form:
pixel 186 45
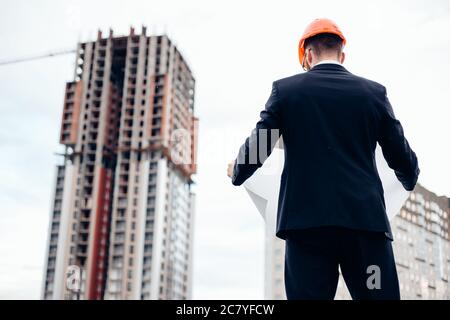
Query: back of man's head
pixel 325 45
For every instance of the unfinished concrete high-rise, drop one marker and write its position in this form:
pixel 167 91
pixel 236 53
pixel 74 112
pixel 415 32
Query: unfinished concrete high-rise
pixel 123 206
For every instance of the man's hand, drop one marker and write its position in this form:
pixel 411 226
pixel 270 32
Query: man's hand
pixel 230 168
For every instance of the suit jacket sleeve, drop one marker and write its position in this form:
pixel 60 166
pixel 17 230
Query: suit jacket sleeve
pixel 259 145
pixel 396 150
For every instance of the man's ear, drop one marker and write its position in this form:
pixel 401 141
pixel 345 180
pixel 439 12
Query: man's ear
pixel 342 57
pixel 309 58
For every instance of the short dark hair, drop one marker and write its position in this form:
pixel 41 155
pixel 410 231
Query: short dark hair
pixel 325 42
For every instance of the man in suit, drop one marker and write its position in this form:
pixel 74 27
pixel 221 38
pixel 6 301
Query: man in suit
pixel 331 208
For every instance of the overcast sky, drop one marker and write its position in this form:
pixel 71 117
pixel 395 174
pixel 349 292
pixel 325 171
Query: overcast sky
pixel 235 49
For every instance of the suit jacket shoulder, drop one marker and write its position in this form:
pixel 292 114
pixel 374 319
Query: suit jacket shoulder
pixel 286 83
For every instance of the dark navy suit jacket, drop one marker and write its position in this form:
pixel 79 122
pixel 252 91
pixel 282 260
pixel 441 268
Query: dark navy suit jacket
pixel 330 121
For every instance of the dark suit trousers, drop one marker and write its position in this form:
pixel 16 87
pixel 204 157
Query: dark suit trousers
pixel 366 259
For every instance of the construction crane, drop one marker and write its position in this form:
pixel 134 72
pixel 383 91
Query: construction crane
pixel 37 57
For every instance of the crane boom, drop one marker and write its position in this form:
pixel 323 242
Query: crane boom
pixel 37 57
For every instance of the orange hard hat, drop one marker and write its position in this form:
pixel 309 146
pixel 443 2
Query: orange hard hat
pixel 316 27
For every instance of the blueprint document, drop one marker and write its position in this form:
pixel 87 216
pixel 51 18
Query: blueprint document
pixel 263 187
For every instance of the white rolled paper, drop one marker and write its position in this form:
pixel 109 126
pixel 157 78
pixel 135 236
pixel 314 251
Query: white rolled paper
pixel 264 186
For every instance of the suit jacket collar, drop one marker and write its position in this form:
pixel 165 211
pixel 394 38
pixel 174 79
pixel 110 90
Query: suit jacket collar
pixel 329 67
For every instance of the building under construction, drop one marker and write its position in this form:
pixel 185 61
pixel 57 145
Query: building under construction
pixel 123 206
